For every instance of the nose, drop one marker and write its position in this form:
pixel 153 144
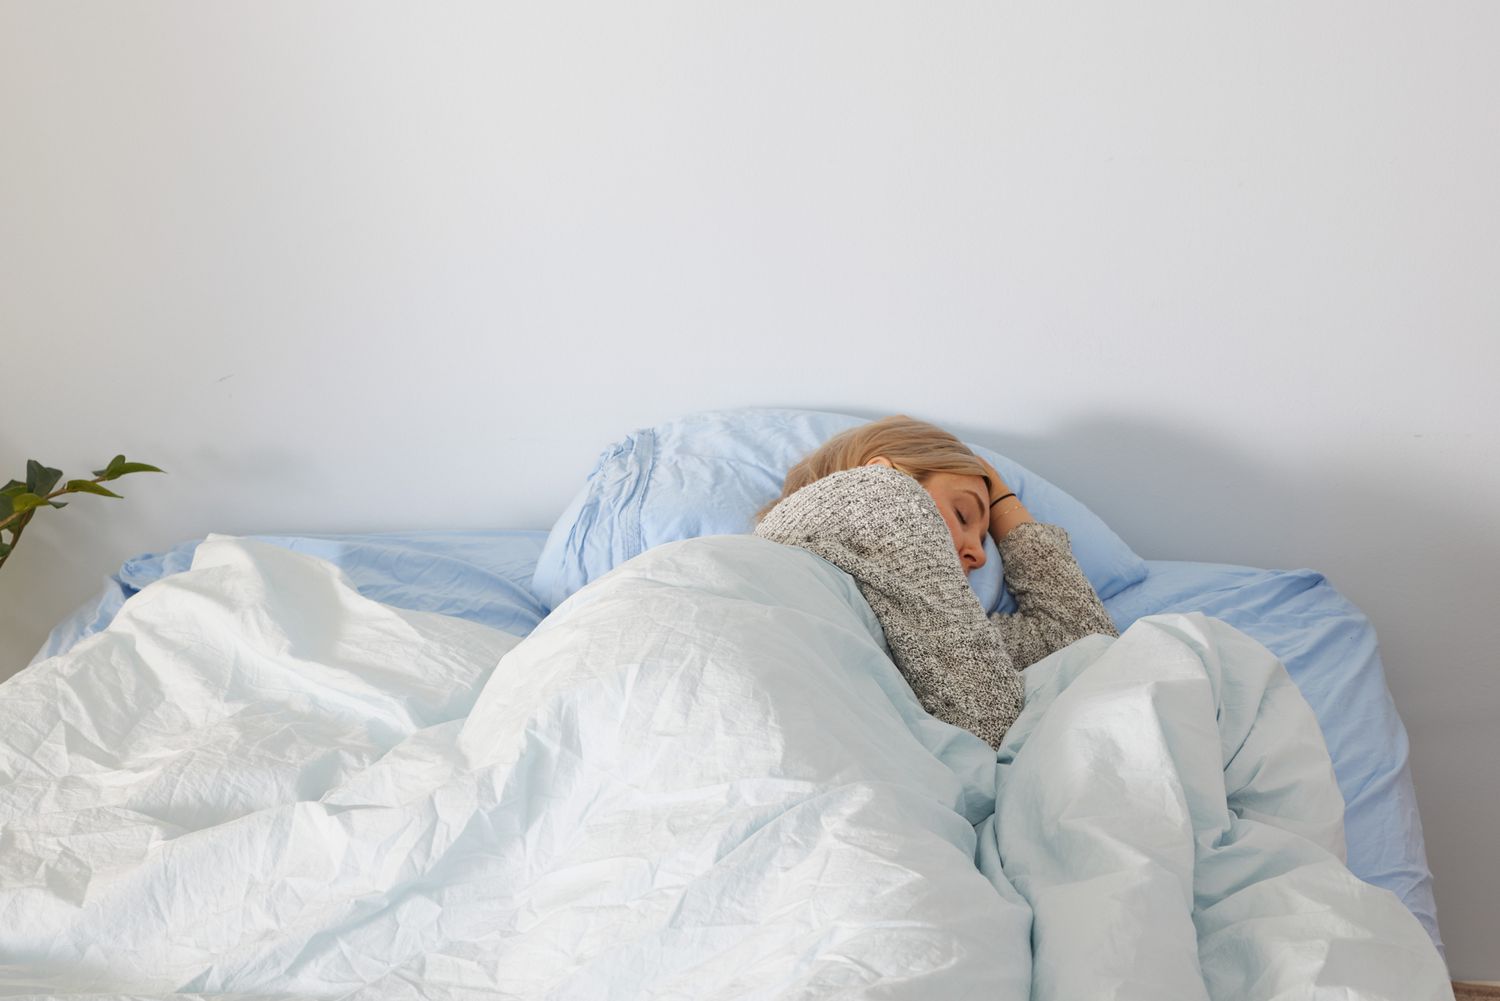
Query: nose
pixel 973 556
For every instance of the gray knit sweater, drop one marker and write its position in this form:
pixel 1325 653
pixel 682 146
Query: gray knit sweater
pixel 880 526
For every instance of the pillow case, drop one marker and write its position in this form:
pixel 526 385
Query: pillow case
pixel 708 473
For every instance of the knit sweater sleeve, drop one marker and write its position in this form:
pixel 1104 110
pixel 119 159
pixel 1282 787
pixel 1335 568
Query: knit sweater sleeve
pixel 883 529
pixel 1055 603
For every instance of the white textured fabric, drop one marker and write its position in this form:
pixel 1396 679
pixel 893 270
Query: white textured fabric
pixel 702 777
pixel 1167 806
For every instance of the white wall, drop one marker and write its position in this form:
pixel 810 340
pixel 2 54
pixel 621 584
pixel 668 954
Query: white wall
pixel 1226 273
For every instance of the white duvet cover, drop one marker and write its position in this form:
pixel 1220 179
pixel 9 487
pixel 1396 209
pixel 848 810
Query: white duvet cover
pixel 701 777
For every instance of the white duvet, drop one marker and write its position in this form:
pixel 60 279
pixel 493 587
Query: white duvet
pixel 701 777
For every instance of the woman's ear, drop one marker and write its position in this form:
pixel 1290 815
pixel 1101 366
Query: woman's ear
pixel 881 460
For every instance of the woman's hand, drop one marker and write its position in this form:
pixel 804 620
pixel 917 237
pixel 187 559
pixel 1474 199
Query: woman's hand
pixel 1008 513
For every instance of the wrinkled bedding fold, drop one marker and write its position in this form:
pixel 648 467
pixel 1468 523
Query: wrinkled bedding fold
pixel 701 776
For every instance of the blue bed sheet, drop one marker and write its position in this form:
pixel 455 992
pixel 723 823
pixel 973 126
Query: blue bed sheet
pixel 1327 645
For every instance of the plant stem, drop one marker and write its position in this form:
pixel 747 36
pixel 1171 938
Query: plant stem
pixel 27 514
pixel 15 534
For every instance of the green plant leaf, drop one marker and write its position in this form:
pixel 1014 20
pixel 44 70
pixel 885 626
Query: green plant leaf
pixel 90 487
pixel 118 467
pixel 6 507
pixel 4 550
pixel 25 502
pixel 41 479
pixel 12 488
pixel 58 503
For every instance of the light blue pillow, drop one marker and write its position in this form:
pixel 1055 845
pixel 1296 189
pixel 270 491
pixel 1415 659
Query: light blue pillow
pixel 708 473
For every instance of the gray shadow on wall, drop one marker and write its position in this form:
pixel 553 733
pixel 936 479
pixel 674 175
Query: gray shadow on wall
pixel 1167 492
pixel 1175 494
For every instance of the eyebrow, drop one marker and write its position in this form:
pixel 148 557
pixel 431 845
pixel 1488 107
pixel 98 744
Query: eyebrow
pixel 975 495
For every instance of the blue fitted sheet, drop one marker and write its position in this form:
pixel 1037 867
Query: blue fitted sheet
pixel 1327 645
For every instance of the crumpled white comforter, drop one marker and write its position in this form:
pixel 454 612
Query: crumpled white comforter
pixel 701 777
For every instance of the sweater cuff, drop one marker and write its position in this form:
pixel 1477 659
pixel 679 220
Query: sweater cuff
pixel 1031 535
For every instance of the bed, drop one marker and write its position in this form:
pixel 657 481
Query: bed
pixel 120 896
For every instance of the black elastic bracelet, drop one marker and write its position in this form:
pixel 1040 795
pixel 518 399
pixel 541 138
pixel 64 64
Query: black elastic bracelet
pixel 1002 497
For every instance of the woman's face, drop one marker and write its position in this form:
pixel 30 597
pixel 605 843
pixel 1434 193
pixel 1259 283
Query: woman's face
pixel 963 502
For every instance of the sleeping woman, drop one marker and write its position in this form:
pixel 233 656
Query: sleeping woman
pixel 903 506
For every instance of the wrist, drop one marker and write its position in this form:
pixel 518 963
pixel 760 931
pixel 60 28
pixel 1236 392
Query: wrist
pixel 1006 514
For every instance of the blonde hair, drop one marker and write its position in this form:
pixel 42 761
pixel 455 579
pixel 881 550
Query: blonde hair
pixel 915 447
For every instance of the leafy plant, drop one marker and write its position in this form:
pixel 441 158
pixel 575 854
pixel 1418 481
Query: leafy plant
pixel 19 501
